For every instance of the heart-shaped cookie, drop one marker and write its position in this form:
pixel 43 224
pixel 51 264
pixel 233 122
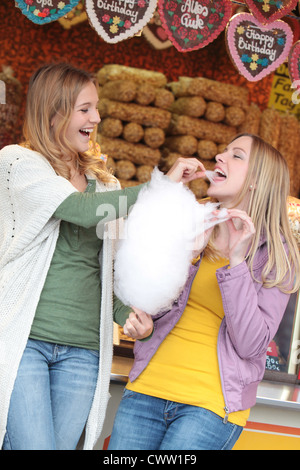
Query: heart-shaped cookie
pixel 117 20
pixel 76 16
pixel 156 36
pixel 255 49
pixel 45 11
pixel 294 65
pixel 155 33
pixel 267 11
pixel 191 25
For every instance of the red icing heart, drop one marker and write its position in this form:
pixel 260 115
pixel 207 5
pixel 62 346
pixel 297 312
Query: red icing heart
pixel 267 11
pixel 294 65
pixel 191 25
pixel 255 49
pixel 116 20
pixel 156 36
pixel 161 33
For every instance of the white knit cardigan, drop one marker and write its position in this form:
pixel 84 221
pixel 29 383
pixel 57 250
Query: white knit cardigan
pixel 30 192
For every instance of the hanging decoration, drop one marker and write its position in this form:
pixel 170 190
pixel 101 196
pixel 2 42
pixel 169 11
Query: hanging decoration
pixel 267 11
pixel 255 49
pixel 191 25
pixel 294 66
pixel 74 17
pixel 257 42
pixel 117 20
pixel 156 36
pixel 295 26
pixel 45 11
pixel 155 33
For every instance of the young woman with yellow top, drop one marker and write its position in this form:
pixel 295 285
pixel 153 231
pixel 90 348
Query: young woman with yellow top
pixel 195 379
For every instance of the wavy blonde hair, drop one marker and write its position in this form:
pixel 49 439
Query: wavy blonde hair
pixel 53 90
pixel 268 174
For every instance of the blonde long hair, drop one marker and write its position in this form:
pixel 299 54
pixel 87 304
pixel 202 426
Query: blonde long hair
pixel 53 90
pixel 268 174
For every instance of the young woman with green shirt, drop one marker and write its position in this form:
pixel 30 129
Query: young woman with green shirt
pixel 58 204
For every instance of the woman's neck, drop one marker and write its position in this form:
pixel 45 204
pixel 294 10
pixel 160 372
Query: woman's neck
pixel 77 179
pixel 220 239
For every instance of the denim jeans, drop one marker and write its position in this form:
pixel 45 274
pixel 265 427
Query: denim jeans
pixel 52 397
pixel 148 423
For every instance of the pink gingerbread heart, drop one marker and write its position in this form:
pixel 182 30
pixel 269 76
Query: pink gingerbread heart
pixel 255 49
pixel 294 65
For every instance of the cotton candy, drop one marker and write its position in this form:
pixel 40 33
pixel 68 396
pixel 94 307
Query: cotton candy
pixel 210 175
pixel 153 257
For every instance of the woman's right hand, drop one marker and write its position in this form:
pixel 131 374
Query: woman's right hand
pixel 139 325
pixel 186 170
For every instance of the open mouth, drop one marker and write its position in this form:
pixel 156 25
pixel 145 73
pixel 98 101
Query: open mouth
pixel 85 132
pixel 219 174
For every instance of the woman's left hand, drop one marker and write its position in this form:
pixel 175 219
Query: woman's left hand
pixel 139 325
pixel 240 235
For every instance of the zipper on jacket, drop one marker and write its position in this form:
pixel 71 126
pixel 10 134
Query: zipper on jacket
pixel 225 420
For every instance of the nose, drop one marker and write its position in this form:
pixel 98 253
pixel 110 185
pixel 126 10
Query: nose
pixel 95 117
pixel 220 157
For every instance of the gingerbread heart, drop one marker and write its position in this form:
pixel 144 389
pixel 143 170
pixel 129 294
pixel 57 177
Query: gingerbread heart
pixel 267 11
pixel 294 65
pixel 45 11
pixel 155 33
pixel 117 20
pixel 255 49
pixel 76 16
pixel 156 36
pixel 191 25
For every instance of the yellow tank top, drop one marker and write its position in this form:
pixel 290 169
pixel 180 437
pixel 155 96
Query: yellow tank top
pixel 185 367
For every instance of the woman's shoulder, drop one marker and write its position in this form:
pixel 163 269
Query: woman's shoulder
pixel 16 152
pixel 11 154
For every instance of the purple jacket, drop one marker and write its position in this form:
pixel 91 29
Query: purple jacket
pixel 252 317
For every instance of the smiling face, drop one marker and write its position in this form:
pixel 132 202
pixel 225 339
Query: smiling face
pixel 84 118
pixel 230 171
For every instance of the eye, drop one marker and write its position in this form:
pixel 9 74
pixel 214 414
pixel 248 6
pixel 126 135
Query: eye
pixel 237 156
pixel 84 110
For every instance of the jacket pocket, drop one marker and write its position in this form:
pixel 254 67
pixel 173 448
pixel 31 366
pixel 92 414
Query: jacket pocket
pixel 253 370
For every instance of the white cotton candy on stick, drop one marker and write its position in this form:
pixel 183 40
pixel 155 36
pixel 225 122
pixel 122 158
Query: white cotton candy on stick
pixel 156 249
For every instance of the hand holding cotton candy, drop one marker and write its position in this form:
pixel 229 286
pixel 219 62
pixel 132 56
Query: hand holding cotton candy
pixel 154 255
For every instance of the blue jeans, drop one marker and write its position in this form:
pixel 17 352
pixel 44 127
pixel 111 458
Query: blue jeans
pixel 148 423
pixel 52 397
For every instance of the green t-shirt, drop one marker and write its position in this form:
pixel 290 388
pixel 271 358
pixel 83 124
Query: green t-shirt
pixel 69 307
